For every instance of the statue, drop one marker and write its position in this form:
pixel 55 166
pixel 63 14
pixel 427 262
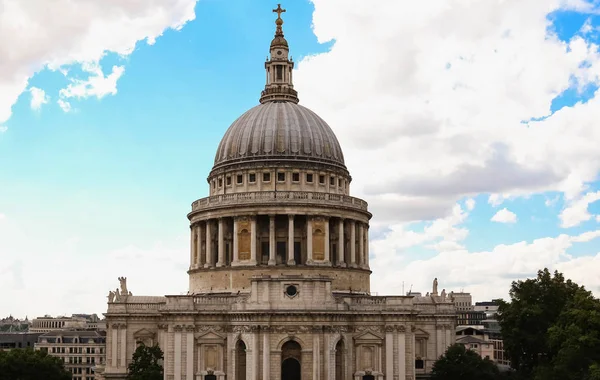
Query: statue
pixel 123 281
pixel 427 295
pixel 435 287
pixel 111 296
pixel 130 294
pixel 443 294
pixel 117 295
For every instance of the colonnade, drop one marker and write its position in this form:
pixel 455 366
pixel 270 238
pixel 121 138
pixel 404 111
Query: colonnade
pixel 279 240
pixel 48 324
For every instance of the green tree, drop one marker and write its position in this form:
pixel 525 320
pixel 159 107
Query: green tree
pixel 458 363
pixel 535 307
pixel 27 364
pixel 146 363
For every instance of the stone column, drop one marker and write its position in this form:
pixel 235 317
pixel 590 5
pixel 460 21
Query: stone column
pixel 327 352
pixel 266 355
pixel 438 341
pixel 401 353
pixel 367 246
pixel 177 354
pixel 291 260
pixel 389 353
pixel 114 344
pixel 316 354
pixel 253 240
pixel 327 242
pixel 449 341
pixel 165 348
pixel 209 256
pixel 198 257
pixel 236 254
pixel 123 331
pixel 341 260
pixel 272 260
pixel 255 356
pixel 352 243
pixel 189 360
pixel 361 245
pixel 221 243
pixel 309 240
pixel 192 245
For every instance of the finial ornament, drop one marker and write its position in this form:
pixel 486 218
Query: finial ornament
pixel 279 10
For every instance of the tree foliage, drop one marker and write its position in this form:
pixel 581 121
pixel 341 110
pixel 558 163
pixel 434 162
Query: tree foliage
pixel 551 329
pixel 146 363
pixel 458 363
pixel 27 364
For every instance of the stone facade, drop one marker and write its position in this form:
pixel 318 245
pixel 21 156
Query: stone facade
pixel 279 271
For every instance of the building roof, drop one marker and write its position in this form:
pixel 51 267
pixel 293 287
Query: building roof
pixel 470 339
pixel 279 131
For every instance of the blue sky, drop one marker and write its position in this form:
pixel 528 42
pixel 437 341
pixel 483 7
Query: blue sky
pixel 102 189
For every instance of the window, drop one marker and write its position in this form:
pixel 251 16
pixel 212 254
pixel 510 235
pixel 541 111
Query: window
pixel 309 177
pixel 296 177
pixel 266 177
pixel 252 177
pixel 332 181
pixel 279 72
pixel 240 179
pixel 419 364
pixel 228 180
pixel 322 179
pixel 220 182
pixel 281 177
pixel 340 182
pixel 214 184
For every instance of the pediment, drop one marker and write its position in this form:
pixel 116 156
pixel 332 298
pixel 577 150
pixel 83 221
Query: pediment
pixel 211 336
pixel 420 333
pixel 368 336
pixel 144 333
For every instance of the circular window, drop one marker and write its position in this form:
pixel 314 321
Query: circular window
pixel 291 290
pixel 279 52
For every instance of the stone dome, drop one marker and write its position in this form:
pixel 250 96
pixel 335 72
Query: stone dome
pixel 279 131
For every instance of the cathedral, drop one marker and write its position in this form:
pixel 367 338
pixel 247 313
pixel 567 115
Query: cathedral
pixel 279 278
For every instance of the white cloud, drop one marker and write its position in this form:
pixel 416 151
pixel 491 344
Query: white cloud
pixel 598 218
pixel 470 203
pixel 97 84
pixel 449 101
pixel 3 128
pixel 72 32
pixel 504 216
pixel 38 97
pixel 577 210
pixel 64 105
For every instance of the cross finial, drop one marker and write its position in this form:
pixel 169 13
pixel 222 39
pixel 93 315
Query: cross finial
pixel 279 10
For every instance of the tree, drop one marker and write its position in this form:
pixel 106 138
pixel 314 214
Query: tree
pixel 27 364
pixel 146 363
pixel 458 363
pixel 535 306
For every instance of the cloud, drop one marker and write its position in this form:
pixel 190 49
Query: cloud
pixel 470 203
pixel 459 107
pixel 38 97
pixel 504 216
pixel 577 210
pixel 64 105
pixel 76 32
pixel 97 84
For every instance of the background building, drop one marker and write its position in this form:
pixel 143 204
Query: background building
pixel 76 321
pixel 9 341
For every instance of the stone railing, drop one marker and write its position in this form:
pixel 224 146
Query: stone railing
pixel 262 197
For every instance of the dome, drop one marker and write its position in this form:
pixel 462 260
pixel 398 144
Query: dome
pixel 276 131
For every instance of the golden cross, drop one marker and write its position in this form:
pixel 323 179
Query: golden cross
pixel 279 10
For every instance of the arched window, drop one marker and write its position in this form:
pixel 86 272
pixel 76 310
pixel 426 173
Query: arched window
pixel 240 360
pixel 339 360
pixel 290 361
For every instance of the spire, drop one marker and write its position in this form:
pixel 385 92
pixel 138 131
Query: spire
pixel 279 86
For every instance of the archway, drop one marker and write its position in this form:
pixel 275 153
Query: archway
pixel 240 360
pixel 339 360
pixel 290 361
pixel 290 369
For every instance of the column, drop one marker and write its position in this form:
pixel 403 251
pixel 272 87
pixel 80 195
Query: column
pixel 236 254
pixel 272 260
pixel 316 354
pixel 401 353
pixel 291 260
pixel 329 356
pixel 449 341
pixel 209 256
pixel 352 243
pixel 221 244
pixel 255 356
pixel 113 346
pixel 192 245
pixel 123 331
pixel 414 348
pixel 253 240
pixel 361 245
pixel 266 355
pixel 177 355
pixel 389 353
pixel 367 246
pixel 165 348
pixel 438 341
pixel 198 257
pixel 327 243
pixel 309 240
pixel 340 247
pixel 189 360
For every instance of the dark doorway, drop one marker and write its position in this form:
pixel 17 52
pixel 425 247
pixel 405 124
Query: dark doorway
pixel 210 377
pixel 240 360
pixel 298 252
pixel 281 245
pixel 264 252
pixel 339 360
pixel 368 377
pixel 290 369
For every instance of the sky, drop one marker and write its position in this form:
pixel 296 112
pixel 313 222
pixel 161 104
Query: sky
pixel 470 127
